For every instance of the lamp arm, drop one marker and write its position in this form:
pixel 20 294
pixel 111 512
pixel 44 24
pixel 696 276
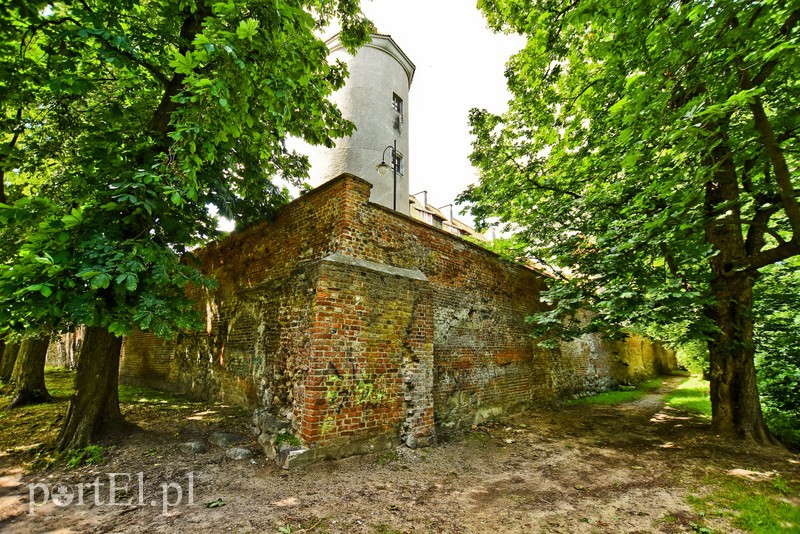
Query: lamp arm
pixel 383 156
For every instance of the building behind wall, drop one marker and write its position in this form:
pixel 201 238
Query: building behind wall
pixel 375 99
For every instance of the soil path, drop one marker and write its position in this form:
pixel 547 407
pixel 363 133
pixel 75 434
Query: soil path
pixel 624 468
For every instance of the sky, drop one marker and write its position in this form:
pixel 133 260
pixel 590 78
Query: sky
pixel 460 65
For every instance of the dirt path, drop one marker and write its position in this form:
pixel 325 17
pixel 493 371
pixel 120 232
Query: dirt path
pixel 625 468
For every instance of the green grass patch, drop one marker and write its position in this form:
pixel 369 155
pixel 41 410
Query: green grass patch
pixel 91 455
pixel 286 437
pixel 27 431
pixel 761 507
pixel 691 395
pixel 27 428
pixel 142 395
pixel 618 396
pixel 60 382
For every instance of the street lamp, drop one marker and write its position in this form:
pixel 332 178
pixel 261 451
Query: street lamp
pixel 383 168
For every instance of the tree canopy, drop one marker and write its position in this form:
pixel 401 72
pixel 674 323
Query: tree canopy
pixel 123 121
pixel 649 155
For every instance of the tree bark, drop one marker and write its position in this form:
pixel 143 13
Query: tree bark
pixel 3 377
pixel 8 361
pixel 735 404
pixel 27 378
pixel 94 407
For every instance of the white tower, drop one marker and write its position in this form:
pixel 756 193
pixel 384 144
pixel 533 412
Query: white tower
pixel 375 99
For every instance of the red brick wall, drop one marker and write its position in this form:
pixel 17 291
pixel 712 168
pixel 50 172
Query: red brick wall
pixel 371 334
pixel 146 360
pixel 357 323
pixel 255 342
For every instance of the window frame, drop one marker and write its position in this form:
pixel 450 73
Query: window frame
pixel 398 157
pixel 398 104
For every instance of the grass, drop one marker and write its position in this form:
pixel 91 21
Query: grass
pixel 91 455
pixel 691 395
pixel 59 381
pixel 618 396
pixel 128 394
pixel 28 427
pixel 27 430
pixel 761 507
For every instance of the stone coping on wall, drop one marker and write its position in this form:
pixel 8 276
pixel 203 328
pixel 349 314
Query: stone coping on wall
pixel 381 268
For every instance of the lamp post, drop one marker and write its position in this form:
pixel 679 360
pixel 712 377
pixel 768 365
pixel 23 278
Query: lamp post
pixel 383 168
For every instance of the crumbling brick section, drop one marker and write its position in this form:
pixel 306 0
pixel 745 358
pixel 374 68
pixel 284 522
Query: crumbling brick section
pixel 356 327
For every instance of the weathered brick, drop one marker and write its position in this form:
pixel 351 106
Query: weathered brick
pixel 361 322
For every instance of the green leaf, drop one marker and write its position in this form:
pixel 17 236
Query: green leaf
pixel 131 282
pixel 216 503
pixel 247 29
pixel 183 64
pixel 74 219
pixel 100 281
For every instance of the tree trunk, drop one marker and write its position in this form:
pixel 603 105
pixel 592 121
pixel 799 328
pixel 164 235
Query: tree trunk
pixel 27 379
pixel 735 405
pixel 94 407
pixel 8 361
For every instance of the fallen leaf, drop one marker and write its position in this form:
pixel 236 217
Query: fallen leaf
pixel 215 503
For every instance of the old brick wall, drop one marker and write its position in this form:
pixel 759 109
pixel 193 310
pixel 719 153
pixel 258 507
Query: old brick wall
pixel 485 363
pixel 255 344
pixel 362 326
pixel 147 361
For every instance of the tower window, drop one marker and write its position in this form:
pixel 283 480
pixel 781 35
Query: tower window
pixel 397 103
pixel 398 163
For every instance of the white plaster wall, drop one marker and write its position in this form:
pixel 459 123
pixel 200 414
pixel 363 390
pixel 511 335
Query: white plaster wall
pixel 378 70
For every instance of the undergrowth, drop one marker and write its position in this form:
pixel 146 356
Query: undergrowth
pixel 90 455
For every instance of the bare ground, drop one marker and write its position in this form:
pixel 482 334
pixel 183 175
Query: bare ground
pixel 624 468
